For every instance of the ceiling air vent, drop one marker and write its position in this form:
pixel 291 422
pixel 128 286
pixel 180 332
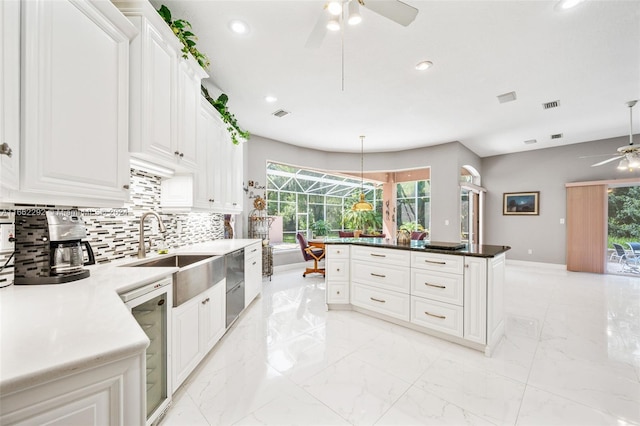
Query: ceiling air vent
pixel 552 104
pixel 507 97
pixel 281 113
pixel 557 136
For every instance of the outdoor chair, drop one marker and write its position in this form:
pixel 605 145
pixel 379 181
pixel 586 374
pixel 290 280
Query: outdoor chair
pixel 310 253
pixel 629 261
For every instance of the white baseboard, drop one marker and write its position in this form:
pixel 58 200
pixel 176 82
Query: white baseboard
pixel 536 264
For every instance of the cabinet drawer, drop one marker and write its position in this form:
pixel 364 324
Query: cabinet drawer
pixel 382 301
pixel 337 269
pixel 337 251
pixel 253 251
pixel 382 256
pixel 439 286
pixel 393 278
pixel 438 262
pixel 338 292
pixel 438 316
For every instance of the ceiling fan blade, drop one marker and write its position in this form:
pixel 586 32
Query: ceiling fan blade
pixel 607 161
pixel 318 32
pixel 395 10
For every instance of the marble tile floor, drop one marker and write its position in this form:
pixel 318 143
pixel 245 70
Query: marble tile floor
pixel 571 356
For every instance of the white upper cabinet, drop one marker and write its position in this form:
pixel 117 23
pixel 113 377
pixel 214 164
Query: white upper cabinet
pixel 208 185
pixel 165 92
pixel 9 97
pixel 74 106
pixel 232 175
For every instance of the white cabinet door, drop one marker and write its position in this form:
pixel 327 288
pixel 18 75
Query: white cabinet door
pixel 207 184
pixel 252 272
pixel 213 315
pixel 75 81
pixel 111 394
pixel 9 96
pixel 153 71
pixel 188 111
pixel 475 299
pixel 232 178
pixel 186 338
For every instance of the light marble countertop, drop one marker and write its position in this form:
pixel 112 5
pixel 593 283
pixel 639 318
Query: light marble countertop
pixel 50 331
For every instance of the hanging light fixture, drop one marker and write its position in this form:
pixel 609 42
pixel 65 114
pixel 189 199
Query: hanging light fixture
pixel 362 205
pixel 631 159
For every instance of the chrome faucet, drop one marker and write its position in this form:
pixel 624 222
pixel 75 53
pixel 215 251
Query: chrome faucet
pixel 142 251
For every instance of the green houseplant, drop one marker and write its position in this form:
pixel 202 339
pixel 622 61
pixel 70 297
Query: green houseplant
pixel 361 220
pixel 229 119
pixel 320 228
pixel 182 30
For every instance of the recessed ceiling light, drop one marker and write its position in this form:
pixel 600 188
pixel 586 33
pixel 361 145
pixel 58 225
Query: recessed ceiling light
pixel 568 4
pixel 424 65
pixel 239 27
pixel 270 98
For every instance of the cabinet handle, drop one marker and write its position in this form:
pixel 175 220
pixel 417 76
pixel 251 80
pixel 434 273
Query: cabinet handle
pixel 378 255
pixel 181 154
pixel 235 204
pixel 378 275
pixel 466 265
pixel 338 292
pixel 176 153
pixel 435 285
pixel 378 300
pixel 254 250
pixel 211 200
pixel 436 263
pixel 337 269
pixel 436 316
pixel 6 150
pixel 254 263
pixel 338 251
pixel 204 302
pixel 125 186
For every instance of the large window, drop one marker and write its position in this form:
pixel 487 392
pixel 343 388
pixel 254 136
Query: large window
pixel 304 197
pixel 413 204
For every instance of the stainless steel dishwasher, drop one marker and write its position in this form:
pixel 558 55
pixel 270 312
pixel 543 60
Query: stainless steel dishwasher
pixel 234 262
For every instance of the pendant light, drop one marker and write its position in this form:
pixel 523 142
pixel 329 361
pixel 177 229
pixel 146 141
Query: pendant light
pixel 362 205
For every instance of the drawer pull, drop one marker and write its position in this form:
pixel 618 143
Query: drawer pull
pixel 378 275
pixel 378 300
pixel 435 285
pixel 434 315
pixel 435 263
pixel 338 269
pixel 378 255
pixel 338 292
pixel 205 301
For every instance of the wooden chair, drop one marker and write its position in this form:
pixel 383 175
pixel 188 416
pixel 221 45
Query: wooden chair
pixel 311 253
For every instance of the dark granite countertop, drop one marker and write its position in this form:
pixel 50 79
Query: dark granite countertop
pixel 475 250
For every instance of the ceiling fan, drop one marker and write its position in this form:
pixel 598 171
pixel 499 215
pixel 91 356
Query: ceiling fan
pixel 338 11
pixel 629 155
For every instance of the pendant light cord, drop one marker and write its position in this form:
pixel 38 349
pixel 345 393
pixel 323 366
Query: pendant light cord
pixel 362 164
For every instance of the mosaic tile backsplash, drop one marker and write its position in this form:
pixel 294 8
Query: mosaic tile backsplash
pixel 114 234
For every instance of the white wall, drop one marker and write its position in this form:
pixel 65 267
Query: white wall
pixel 445 161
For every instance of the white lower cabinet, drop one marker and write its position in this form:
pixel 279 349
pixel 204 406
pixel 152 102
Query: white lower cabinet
pixel 337 274
pixel 105 395
pixel 456 295
pixel 198 324
pixel 252 272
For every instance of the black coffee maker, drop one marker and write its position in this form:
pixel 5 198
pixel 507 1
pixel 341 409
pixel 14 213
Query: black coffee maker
pixel 49 247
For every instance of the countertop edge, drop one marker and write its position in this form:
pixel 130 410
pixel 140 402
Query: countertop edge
pixel 484 251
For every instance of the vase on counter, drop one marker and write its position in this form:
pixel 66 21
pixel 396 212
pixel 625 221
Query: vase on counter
pixel 404 237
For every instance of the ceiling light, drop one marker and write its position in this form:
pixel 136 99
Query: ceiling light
pixel 239 27
pixel 362 205
pixel 634 163
pixel 624 164
pixel 334 8
pixel 354 13
pixel 424 65
pixel 568 4
pixel 333 24
pixel 270 98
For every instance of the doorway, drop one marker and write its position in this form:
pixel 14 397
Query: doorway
pixel 623 230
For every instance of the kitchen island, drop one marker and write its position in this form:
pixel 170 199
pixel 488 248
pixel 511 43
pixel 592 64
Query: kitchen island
pixel 449 290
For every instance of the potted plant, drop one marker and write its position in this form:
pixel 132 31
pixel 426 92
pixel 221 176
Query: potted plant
pixel 360 221
pixel 320 228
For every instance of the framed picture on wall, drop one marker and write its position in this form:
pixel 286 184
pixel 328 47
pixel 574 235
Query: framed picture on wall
pixel 521 203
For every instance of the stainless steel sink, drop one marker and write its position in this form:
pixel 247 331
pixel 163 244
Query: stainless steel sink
pixel 179 260
pixel 197 273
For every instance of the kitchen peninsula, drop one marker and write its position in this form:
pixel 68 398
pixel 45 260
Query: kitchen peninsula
pixel 449 290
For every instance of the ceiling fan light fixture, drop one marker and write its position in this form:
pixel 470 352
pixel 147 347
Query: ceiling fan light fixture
pixel 424 65
pixel 333 24
pixel 624 164
pixel 354 13
pixel 634 162
pixel 334 8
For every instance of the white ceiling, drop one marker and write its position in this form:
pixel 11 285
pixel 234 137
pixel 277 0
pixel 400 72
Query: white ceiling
pixel 588 58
